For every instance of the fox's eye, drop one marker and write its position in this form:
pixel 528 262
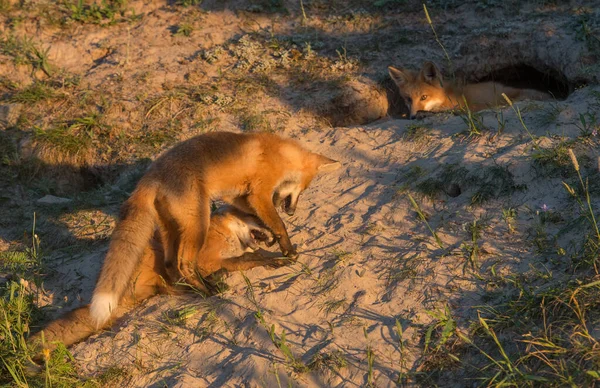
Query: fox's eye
pixel 423 97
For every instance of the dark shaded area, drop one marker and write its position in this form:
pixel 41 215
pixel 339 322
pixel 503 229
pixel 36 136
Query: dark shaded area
pixel 528 77
pixel 397 108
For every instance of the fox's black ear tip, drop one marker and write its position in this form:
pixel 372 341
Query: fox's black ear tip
pixel 397 75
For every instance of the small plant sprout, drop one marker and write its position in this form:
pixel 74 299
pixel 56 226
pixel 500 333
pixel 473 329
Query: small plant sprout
pixel 443 320
pixel 588 124
pixel 184 29
pixel 473 120
pixel 280 340
pixel 403 367
pixel 370 360
pixel 424 219
pixel 509 216
pixel 585 188
pixel 472 248
pixel 436 37
pixel 518 113
pixel 505 368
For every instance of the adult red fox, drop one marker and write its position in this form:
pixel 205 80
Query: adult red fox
pixel 252 171
pixel 428 91
pixel 233 236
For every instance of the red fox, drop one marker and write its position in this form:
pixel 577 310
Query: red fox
pixel 428 91
pixel 252 171
pixel 233 236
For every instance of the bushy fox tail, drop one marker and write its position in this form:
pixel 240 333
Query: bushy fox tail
pixel 72 327
pixel 129 239
pixel 77 325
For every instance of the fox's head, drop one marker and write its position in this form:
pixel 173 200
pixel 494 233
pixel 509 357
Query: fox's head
pixel 288 191
pixel 423 90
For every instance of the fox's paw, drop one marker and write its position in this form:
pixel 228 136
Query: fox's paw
pixel 291 254
pixel 271 243
pixel 262 235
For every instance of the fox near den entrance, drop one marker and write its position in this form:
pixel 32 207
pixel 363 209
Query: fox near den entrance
pixel 428 91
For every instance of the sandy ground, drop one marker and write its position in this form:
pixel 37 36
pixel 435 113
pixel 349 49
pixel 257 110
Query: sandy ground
pixel 368 263
pixel 364 252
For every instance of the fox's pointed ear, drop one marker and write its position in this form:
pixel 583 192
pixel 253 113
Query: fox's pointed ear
pixel 398 76
pixel 430 73
pixel 324 164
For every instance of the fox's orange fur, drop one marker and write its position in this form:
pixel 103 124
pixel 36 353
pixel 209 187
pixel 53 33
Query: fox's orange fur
pixel 428 91
pixel 232 238
pixel 250 171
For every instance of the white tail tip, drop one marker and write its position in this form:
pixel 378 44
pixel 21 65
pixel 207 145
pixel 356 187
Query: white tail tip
pixel 102 306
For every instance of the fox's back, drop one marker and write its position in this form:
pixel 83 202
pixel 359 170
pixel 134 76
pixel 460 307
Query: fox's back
pixel 222 162
pixel 484 94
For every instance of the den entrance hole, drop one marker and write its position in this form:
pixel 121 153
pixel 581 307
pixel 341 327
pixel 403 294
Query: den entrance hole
pixel 527 77
pixel 518 76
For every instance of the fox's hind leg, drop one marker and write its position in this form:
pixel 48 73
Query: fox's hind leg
pixel 192 216
pixel 169 238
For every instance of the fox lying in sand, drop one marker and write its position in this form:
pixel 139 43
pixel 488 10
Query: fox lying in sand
pixel 428 91
pixel 233 236
pixel 254 172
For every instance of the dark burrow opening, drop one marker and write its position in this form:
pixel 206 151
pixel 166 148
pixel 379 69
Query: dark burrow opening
pixel 527 77
pixel 518 76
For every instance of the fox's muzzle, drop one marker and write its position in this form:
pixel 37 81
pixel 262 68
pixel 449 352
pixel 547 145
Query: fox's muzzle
pixel 289 205
pixel 413 113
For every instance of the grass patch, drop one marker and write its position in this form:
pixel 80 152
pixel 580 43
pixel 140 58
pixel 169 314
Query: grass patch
pixel 184 29
pixel 64 140
pixel 188 3
pixel 491 183
pixel 106 12
pixel 450 174
pixel 495 182
pixel 552 161
pixel 24 51
pixel 441 345
pixel 157 138
pixel 328 361
pixel 18 312
pixel 38 91
pixel 255 122
pixel 546 335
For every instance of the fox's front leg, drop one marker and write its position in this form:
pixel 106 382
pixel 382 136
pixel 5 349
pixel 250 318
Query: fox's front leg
pixel 262 203
pixel 251 260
